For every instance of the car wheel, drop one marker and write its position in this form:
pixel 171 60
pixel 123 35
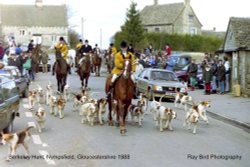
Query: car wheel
pixel 26 93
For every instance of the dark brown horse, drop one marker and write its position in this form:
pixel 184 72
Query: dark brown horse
pixel 84 70
pixel 61 69
pixel 36 54
pixel 97 62
pixel 77 56
pixel 123 93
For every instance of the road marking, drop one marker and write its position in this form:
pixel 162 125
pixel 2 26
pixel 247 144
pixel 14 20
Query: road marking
pixel 32 124
pixel 45 145
pixel 25 100
pixel 46 154
pixel 26 106
pixel 28 114
pixel 36 139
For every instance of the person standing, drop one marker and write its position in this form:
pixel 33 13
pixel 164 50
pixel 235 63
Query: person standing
pixel 31 45
pixel 131 49
pixel 168 51
pixel 1 51
pixel 207 77
pixel 221 72
pixel 192 73
pixel 214 73
pixel 227 68
pixel 15 60
pixel 45 58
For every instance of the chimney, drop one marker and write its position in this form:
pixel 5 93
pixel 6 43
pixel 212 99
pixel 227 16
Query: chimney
pixel 39 3
pixel 187 2
pixel 155 2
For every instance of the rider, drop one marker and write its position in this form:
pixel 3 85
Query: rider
pixel 119 59
pixel 79 44
pixel 84 50
pixel 96 49
pixel 63 47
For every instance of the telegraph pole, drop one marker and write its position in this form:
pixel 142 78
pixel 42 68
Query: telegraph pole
pixel 82 27
pixel 100 38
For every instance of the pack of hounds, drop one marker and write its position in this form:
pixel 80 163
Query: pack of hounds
pixel 93 111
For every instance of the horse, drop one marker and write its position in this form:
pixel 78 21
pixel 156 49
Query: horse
pixel 109 61
pixel 36 54
pixel 77 56
pixel 61 69
pixel 123 93
pixel 97 62
pixel 84 70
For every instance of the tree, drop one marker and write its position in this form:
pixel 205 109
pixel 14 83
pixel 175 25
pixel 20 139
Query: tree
pixel 73 37
pixel 132 31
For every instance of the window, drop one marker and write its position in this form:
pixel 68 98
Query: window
pixel 22 32
pixel 157 29
pixel 193 30
pixel 191 18
pixel 145 29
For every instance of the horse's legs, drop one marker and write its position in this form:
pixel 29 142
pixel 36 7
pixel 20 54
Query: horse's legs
pixel 110 112
pixel 86 82
pixel 58 84
pixel 122 115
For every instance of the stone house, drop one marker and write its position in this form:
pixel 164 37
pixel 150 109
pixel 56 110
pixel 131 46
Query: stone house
pixel 173 18
pixel 44 24
pixel 237 48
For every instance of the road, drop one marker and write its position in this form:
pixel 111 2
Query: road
pixel 142 146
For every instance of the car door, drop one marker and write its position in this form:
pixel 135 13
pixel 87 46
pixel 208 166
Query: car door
pixel 143 81
pixel 3 111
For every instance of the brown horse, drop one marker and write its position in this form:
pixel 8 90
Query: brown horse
pixel 109 61
pixel 61 69
pixel 77 56
pixel 123 93
pixel 97 62
pixel 36 54
pixel 84 70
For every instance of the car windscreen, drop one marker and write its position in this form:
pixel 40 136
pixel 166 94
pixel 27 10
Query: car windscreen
pixel 163 75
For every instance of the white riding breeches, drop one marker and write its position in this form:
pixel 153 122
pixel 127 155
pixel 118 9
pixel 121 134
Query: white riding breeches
pixel 114 77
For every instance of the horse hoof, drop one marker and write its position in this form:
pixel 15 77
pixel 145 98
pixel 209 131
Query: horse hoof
pixel 123 131
pixel 117 124
pixel 111 124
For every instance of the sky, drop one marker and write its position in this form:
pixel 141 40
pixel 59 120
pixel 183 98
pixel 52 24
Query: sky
pixel 103 18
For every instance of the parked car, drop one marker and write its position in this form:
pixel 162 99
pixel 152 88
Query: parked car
pixel 9 103
pixel 158 82
pixel 180 60
pixel 183 76
pixel 22 81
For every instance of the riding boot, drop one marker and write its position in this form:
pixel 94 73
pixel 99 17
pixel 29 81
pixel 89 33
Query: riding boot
pixel 69 68
pixel 53 69
pixel 77 68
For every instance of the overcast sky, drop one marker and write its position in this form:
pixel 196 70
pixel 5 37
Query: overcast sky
pixel 107 16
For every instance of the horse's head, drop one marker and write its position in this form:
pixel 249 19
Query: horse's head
pixel 127 68
pixel 58 54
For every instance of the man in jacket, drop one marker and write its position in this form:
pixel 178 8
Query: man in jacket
pixel 192 73
pixel 221 74
pixel 119 61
